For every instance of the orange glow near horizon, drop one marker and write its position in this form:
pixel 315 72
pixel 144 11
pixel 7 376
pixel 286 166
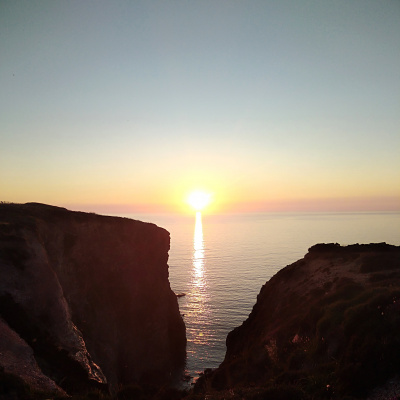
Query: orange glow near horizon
pixel 220 205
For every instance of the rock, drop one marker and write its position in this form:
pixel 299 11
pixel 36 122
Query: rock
pixel 18 361
pixel 324 327
pixel 86 299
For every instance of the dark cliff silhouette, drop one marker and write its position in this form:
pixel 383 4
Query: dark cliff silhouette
pixel 325 327
pixel 85 301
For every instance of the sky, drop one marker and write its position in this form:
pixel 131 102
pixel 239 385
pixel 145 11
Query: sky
pixel 128 106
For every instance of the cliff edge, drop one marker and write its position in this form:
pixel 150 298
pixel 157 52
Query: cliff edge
pixel 324 327
pixel 85 301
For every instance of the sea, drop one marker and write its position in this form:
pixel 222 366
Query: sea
pixel 218 264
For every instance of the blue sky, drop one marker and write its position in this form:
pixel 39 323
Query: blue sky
pixel 260 102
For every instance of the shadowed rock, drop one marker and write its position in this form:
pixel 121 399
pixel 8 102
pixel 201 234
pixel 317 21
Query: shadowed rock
pixel 326 326
pixel 87 299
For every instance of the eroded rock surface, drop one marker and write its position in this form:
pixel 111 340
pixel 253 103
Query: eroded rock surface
pixel 326 326
pixel 86 300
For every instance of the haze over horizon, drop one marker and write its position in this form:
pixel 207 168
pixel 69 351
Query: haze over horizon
pixel 268 105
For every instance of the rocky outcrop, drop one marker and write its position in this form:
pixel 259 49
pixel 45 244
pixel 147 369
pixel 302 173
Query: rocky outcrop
pixel 85 301
pixel 326 326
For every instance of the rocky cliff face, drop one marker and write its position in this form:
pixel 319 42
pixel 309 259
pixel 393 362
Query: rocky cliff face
pixel 85 300
pixel 326 326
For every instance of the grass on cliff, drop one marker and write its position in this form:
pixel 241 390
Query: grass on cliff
pixel 356 346
pixel 351 345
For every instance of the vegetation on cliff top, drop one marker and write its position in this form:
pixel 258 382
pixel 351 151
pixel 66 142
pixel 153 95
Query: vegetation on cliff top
pixel 332 335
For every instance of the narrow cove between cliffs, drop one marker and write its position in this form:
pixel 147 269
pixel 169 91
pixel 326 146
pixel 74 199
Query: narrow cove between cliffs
pixel 220 262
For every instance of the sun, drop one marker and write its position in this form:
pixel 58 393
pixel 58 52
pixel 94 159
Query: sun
pixel 199 200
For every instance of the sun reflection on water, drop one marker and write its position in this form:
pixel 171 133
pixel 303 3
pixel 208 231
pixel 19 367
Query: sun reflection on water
pixel 199 291
pixel 198 255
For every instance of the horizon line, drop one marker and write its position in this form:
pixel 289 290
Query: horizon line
pixel 339 204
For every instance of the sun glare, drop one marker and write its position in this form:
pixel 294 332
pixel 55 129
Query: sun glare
pixel 199 200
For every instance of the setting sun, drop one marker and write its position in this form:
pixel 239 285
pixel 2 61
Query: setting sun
pixel 199 200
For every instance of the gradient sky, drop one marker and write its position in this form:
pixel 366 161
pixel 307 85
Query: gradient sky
pixel 269 105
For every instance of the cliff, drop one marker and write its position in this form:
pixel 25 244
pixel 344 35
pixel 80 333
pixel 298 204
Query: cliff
pixel 324 327
pixel 85 301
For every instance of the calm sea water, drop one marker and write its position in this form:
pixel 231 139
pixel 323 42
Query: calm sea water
pixel 221 262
